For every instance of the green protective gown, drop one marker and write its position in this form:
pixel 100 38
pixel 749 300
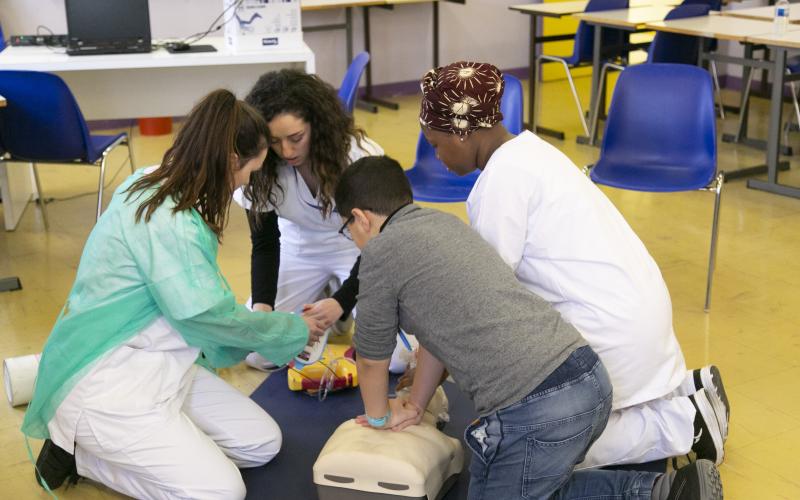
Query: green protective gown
pixel 130 274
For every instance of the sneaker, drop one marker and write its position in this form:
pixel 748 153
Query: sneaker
pixel 709 378
pixel 260 363
pixel 55 465
pixel 708 442
pixel 697 481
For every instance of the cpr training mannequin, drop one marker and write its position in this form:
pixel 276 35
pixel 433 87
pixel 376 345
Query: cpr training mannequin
pixel 567 243
pixel 419 462
pixel 120 384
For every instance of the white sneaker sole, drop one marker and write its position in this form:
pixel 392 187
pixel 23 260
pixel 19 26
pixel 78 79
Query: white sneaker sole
pixel 710 419
pixel 260 363
pixel 715 390
pixel 710 482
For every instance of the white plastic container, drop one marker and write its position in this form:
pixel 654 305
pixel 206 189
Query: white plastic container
pixel 262 25
pixel 19 376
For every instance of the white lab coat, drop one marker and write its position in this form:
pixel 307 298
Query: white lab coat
pixel 568 244
pixel 312 250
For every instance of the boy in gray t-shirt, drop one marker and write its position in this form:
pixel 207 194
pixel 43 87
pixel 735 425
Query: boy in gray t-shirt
pixel 542 393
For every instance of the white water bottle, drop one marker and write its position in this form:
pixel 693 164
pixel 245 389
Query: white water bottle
pixel 781 16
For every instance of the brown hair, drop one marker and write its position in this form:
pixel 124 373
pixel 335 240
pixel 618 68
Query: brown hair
pixel 196 170
pixel 374 183
pixel 307 97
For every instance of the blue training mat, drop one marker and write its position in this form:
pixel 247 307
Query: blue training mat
pixel 307 423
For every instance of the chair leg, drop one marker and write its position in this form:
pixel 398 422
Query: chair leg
pixel 794 101
pixel 100 186
pixel 572 87
pixel 129 145
pixel 717 88
pixel 41 197
pixel 712 257
pixel 788 125
pixel 595 116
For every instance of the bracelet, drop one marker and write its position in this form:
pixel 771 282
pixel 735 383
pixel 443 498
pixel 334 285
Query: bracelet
pixel 379 422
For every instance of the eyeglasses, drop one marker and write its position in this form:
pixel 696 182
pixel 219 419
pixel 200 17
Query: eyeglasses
pixel 345 230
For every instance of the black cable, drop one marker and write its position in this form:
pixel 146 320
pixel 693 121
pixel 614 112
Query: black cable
pixel 50 32
pixel 212 28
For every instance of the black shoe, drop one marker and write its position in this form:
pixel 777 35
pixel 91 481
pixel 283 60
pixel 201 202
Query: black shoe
pixel 697 481
pixel 54 465
pixel 709 378
pixel 708 442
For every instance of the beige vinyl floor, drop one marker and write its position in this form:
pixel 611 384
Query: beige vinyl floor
pixel 752 332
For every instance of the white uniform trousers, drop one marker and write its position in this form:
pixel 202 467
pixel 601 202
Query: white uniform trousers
pixel 193 454
pixel 302 278
pixel 653 430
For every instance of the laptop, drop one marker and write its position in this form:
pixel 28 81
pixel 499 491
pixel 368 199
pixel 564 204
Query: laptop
pixel 107 27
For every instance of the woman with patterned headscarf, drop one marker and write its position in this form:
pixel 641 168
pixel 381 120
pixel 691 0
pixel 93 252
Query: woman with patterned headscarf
pixel 568 244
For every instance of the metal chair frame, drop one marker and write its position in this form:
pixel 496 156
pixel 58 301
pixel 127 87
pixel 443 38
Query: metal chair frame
pixel 538 83
pixel 124 140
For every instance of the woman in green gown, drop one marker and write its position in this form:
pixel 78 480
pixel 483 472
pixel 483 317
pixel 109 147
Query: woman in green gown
pixel 125 393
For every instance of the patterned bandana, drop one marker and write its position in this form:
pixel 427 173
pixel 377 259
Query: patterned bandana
pixel 461 97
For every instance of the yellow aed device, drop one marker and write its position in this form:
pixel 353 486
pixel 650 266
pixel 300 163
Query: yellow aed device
pixel 334 371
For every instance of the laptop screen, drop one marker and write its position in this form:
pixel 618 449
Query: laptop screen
pixel 108 20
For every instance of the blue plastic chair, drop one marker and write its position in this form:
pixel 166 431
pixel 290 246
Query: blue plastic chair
pixel 2 39
pixel 677 151
pixel 683 49
pixel 42 123
pixel 583 48
pixel 349 87
pixel 712 4
pixel 674 48
pixel 431 181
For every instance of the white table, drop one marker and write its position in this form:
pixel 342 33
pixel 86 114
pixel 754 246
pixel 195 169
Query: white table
pixel 138 85
pixel 156 83
pixel 347 26
pixel 716 26
pixel 556 10
pixel 632 19
pixel 761 13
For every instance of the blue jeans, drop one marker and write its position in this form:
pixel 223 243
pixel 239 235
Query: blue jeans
pixel 529 449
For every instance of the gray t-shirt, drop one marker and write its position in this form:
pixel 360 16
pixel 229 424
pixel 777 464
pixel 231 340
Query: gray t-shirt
pixel 431 275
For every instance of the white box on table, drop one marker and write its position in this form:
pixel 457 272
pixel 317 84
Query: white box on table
pixel 262 24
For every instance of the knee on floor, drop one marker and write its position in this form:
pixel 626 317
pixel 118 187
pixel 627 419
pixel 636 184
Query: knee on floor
pixel 256 451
